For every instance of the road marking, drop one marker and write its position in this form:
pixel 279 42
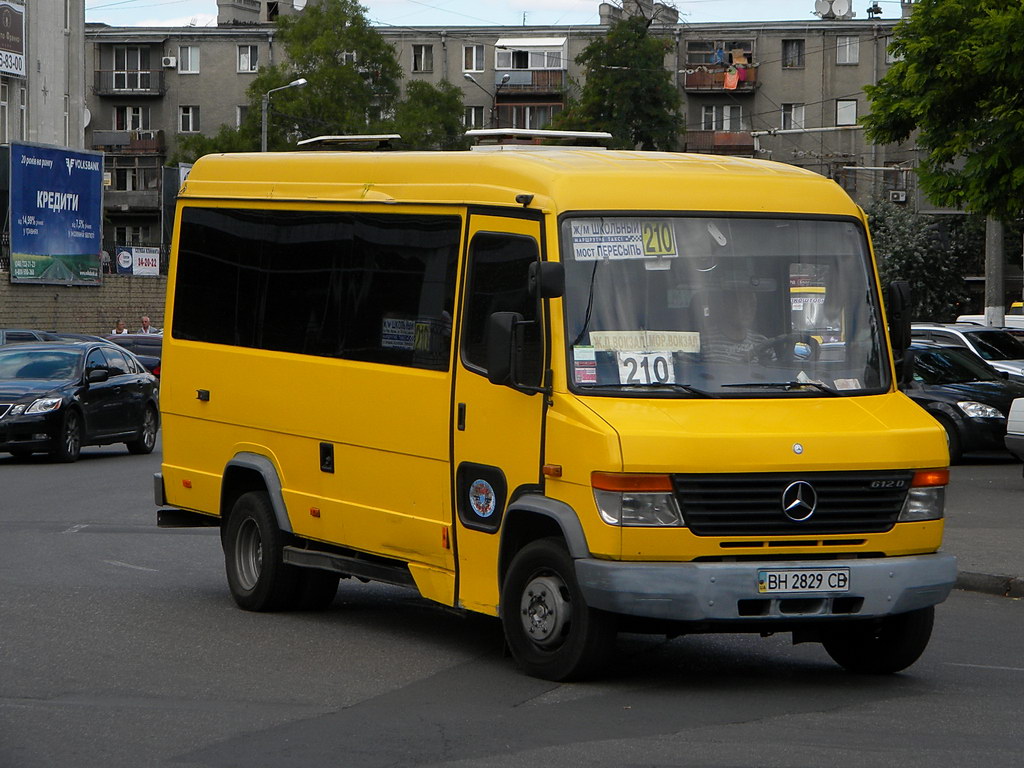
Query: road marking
pixel 76 528
pixel 129 565
pixel 985 666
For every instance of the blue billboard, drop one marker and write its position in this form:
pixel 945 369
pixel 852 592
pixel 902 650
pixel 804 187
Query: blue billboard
pixel 56 215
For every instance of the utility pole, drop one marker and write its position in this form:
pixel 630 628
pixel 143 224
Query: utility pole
pixel 995 299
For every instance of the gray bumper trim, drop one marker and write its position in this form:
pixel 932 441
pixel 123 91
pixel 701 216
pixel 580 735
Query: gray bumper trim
pixel 713 591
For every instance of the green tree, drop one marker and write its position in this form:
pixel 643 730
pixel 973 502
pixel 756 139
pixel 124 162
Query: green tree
pixel 627 91
pixel 430 117
pixel 958 84
pixel 933 253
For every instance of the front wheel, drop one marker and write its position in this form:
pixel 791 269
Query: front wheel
pixel 146 441
pixel 880 646
pixel 258 577
pixel 550 630
pixel 69 443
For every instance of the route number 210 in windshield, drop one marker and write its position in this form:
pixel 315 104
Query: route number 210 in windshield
pixel 646 368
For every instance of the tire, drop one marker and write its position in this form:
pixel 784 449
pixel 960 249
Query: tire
pixel 146 441
pixel 551 632
pixel 258 577
pixel 69 446
pixel 952 437
pixel 881 646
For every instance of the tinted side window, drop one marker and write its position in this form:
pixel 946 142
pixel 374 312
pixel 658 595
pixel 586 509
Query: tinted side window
pixel 116 361
pixel 498 282
pixel 372 287
pixel 95 360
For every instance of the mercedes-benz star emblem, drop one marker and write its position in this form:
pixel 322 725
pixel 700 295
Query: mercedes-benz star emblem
pixel 799 501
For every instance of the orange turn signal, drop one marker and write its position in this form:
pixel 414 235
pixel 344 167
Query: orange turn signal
pixel 926 477
pixel 625 482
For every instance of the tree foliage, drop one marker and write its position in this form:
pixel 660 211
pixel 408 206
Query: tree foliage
pixel 430 117
pixel 958 84
pixel 933 253
pixel 627 90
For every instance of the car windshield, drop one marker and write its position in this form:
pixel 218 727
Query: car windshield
pixel 997 345
pixel 720 306
pixel 39 364
pixel 950 366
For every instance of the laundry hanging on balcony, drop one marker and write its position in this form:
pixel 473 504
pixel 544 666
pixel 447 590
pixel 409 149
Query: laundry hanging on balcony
pixel 732 78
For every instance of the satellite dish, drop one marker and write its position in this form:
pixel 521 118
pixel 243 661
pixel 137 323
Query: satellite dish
pixel 841 7
pixel 86 117
pixel 821 7
pixel 298 5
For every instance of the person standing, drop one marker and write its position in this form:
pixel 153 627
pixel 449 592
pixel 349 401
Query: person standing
pixel 120 328
pixel 146 327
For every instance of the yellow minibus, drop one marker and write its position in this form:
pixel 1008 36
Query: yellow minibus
pixel 558 385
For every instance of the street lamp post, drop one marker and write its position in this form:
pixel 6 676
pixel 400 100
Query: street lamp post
pixel 494 96
pixel 265 106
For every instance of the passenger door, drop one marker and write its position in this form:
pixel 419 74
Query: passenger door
pixel 96 397
pixel 497 431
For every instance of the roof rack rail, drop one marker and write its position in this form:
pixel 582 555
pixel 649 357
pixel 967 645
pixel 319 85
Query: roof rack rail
pixel 351 142
pixel 491 137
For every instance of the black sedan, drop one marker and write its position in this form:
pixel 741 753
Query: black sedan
pixel 56 397
pixel 968 397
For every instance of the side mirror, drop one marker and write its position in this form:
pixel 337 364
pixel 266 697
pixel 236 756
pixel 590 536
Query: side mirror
pixel 97 375
pixel 501 334
pixel 898 302
pixel 547 280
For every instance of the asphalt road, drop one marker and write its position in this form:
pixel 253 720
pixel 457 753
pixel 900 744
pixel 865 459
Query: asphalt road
pixel 119 646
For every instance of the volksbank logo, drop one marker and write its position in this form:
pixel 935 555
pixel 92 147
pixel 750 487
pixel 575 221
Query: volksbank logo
pixel 76 163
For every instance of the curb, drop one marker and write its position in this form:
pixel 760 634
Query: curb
pixel 1003 586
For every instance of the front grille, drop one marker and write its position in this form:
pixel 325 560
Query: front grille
pixel 751 504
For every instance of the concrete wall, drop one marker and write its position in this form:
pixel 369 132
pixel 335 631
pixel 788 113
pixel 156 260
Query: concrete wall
pixel 81 309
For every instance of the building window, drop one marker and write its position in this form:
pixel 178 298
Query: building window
pixel 423 58
pixel 473 58
pixel 846 111
pixel 722 117
pixel 188 119
pixel 131 235
pixel 719 51
pixel 131 68
pixel 131 118
pixel 890 57
pixel 792 54
pixel 473 117
pixel 348 57
pixel 533 116
pixel 248 58
pixel 188 59
pixel 792 116
pixel 529 59
pixel 134 173
pixel 241 112
pixel 847 50
pixel 845 178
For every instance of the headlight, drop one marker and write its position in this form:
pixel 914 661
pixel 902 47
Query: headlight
pixel 44 405
pixel 926 499
pixel 636 500
pixel 16 410
pixel 980 410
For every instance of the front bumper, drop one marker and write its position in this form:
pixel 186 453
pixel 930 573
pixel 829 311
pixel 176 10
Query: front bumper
pixel 35 432
pixel 727 592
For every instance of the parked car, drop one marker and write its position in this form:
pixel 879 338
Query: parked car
pixel 1000 348
pixel 56 397
pixel 21 335
pixel 1014 317
pixel 146 347
pixel 967 396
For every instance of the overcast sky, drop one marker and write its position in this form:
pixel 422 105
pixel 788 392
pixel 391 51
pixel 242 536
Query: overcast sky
pixel 413 13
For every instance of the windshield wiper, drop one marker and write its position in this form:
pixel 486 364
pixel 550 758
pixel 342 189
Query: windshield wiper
pixel 787 385
pixel 655 387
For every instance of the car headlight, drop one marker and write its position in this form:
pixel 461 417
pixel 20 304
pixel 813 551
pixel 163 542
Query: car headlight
pixel 16 410
pixel 636 500
pixel 44 405
pixel 926 499
pixel 980 410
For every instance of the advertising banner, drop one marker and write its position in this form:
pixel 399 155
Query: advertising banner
pixel 56 215
pixel 12 39
pixel 137 260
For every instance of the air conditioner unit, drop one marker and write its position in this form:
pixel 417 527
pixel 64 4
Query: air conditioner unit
pixel 897 196
pixel 169 61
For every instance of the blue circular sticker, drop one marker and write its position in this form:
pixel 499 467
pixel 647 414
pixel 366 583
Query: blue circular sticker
pixel 482 498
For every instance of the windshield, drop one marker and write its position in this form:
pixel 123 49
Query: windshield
pixel 997 345
pixel 721 306
pixel 38 365
pixel 948 366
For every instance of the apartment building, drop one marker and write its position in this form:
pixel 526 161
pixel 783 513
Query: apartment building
pixel 787 91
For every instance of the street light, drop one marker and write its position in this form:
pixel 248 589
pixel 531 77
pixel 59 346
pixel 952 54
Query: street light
pixel 494 96
pixel 265 106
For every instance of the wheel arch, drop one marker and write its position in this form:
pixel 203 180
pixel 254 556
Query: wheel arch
pixel 252 472
pixel 531 517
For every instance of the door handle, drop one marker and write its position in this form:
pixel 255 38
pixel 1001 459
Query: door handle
pixel 461 423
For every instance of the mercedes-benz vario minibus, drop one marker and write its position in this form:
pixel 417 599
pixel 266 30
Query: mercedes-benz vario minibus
pixel 576 389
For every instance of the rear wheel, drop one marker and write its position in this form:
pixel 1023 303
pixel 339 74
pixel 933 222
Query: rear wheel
pixel 69 444
pixel 881 646
pixel 258 577
pixel 551 631
pixel 146 440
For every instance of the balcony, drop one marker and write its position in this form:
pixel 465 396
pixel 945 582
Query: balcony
pixel 712 79
pixel 128 201
pixel 130 82
pixel 720 142
pixel 530 81
pixel 129 142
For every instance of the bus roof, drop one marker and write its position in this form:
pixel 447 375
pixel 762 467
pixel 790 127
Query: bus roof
pixel 559 179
